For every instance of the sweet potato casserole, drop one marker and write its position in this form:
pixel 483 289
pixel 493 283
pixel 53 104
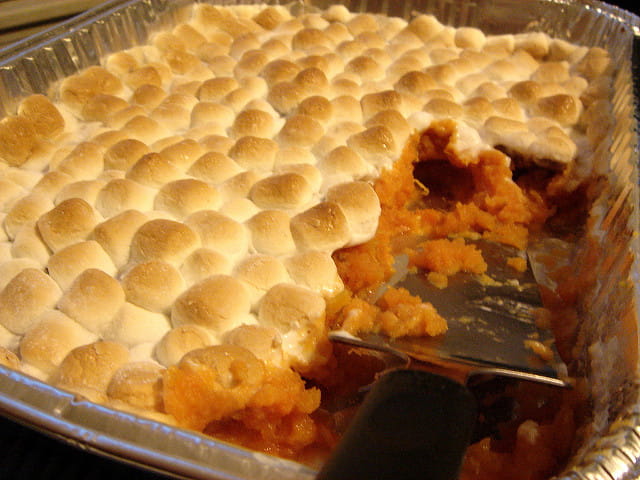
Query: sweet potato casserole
pixel 184 223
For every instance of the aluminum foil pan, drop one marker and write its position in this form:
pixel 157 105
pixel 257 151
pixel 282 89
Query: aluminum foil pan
pixel 607 343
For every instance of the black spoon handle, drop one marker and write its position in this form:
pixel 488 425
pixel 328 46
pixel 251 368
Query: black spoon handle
pixel 412 425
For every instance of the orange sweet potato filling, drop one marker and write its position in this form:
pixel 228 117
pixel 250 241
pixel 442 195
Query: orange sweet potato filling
pixel 431 201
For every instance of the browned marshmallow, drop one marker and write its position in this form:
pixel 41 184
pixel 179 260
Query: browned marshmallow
pixel 252 152
pixel 134 326
pixel 361 207
pixel 67 223
pixel 179 341
pixel 66 264
pixel 285 96
pixel 182 197
pixel 9 359
pixel 102 107
pixel 343 162
pixel 43 115
pixel 28 244
pixel 123 194
pixel 374 103
pixel 77 89
pixel 270 233
pixel 153 170
pixel 163 240
pixel 148 96
pixel 145 129
pixel 252 122
pixel 214 167
pixel 26 211
pixel 183 153
pixel 11 268
pixel 375 144
pixel 565 109
pixel 85 162
pixel 19 140
pixel 202 263
pixel 260 272
pixel 264 342
pixel 88 369
pixel 281 191
pixel 216 143
pixel 323 227
pixel 138 384
pixel 123 154
pixel 218 303
pixel 316 271
pixel 279 70
pixel 25 297
pixel 92 300
pixel 298 314
pixel 115 234
pixel 50 340
pixel 300 130
pixel 152 285
pixel 219 232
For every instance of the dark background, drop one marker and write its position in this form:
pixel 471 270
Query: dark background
pixel 26 454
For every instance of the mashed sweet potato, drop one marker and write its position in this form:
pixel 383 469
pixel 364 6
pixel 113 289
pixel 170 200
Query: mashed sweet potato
pixel 432 202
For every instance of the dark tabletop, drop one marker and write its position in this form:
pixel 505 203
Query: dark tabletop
pixel 29 455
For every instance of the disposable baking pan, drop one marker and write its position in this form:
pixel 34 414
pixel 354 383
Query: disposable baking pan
pixel 606 345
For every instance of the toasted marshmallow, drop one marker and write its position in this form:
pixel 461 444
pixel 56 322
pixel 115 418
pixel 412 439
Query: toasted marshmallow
pixel 78 89
pixel 153 170
pixel 123 194
pixel 138 384
pixel 67 223
pixel 88 369
pixel 179 341
pixel 214 167
pixel 300 130
pixel 323 227
pixel 260 272
pixel 361 207
pixel 123 154
pixel 114 235
pixel 66 264
pixel 218 303
pixel 45 345
pixel 49 185
pixel 28 244
pixel 133 326
pixel 253 122
pixel 286 191
pixel 13 267
pixel 298 314
pixel 202 263
pixel 92 300
pixel 343 163
pixel 182 197
pixel 270 233
pixel 25 298
pixel 375 144
pixel 285 96
pixel 264 342
pixel 219 232
pixel 26 211
pixel 255 153
pixel 316 271
pixel 163 240
pixel 84 162
pixel 152 285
